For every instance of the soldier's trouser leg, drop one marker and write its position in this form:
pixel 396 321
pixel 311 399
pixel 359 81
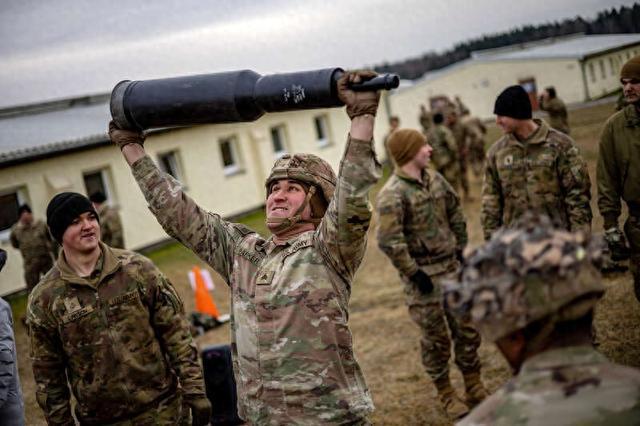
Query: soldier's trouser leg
pixel 435 344
pixel 168 412
pixel 466 342
pixel 34 270
pixel 464 180
pixel 632 232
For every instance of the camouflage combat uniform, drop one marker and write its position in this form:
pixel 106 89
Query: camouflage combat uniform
pixel 36 247
pixel 460 134
pixel 475 142
pixel 292 347
pixel 421 225
pixel 545 174
pixel 570 386
pixel 558 117
pixel 121 339
pixel 111 232
pixel 618 177
pixel 445 153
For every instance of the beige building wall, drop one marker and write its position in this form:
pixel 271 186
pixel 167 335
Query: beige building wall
pixel 479 83
pixel 602 72
pixel 201 170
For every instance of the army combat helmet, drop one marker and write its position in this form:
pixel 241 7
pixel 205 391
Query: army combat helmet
pixel 525 274
pixel 318 179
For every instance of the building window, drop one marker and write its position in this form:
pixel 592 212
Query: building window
pixel 278 140
pixel 230 156
pixel 322 130
pixel 170 163
pixel 98 181
pixel 603 73
pixel 9 202
pixel 592 72
pixel 612 66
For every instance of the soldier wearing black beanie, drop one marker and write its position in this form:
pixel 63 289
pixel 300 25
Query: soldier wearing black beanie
pixel 63 209
pixel 513 102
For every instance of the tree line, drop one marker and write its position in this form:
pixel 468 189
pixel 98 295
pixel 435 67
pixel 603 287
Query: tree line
pixel 614 21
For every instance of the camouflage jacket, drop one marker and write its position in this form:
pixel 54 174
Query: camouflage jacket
pixel 292 347
pixel 545 173
pixel 33 241
pixel 618 172
pixel 558 117
pixel 445 150
pixel 11 403
pixel 119 336
pixel 475 130
pixel 569 386
pixel 420 224
pixel 111 232
pixel 460 134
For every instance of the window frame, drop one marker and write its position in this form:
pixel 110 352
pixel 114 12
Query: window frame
pixel 22 197
pixel 234 151
pixel 281 131
pixel 175 162
pixel 105 175
pixel 324 127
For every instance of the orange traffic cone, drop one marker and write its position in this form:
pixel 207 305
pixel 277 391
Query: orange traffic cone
pixel 204 300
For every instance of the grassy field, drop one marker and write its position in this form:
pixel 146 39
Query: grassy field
pixel 386 341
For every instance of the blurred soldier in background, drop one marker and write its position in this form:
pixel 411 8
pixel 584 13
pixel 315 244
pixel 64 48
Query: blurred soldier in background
pixel 110 224
pixel 111 324
pixel 460 134
pixel 422 229
pixel 461 108
pixel 532 168
pixel 445 151
pixel 11 403
pixel 618 173
pixel 292 347
pixel 475 141
pixel 425 118
pixel 532 290
pixel 394 124
pixel 32 238
pixel 555 107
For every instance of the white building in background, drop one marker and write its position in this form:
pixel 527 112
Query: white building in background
pixel 580 67
pixel 63 146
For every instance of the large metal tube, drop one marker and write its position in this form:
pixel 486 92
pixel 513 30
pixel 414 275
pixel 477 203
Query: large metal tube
pixel 227 97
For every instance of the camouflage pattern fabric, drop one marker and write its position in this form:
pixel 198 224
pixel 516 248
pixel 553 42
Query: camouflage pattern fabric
pixel 545 174
pixel 37 249
pixel 460 134
pixel 618 177
pixel 445 153
pixel 558 116
pixel 169 411
pixel 426 121
pixel 475 142
pixel 568 386
pixel 291 344
pixel 111 232
pixel 119 336
pixel 421 225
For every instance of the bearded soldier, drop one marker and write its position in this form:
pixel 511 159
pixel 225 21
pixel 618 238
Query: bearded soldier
pixel 422 229
pixel 532 290
pixel 292 347
pixel 618 173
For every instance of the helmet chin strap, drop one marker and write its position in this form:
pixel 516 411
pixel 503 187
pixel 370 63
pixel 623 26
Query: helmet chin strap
pixel 279 225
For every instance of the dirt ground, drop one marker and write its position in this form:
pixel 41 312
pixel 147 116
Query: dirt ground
pixel 386 341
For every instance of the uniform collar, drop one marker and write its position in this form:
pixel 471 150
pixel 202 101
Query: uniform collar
pixel 270 245
pixel 538 137
pixel 631 116
pixel 106 265
pixel 402 175
pixel 555 358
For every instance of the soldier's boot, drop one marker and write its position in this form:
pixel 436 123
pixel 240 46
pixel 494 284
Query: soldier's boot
pixel 476 392
pixel 453 406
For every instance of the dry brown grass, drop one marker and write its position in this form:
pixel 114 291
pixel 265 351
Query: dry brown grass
pixel 386 341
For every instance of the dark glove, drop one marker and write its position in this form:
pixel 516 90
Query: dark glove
pixel 422 281
pixel 617 244
pixel 200 410
pixel 124 137
pixel 459 255
pixel 358 103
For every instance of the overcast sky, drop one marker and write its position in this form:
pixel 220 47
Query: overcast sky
pixel 63 48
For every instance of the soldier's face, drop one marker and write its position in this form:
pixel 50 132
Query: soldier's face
pixel 422 157
pixel 507 124
pixel 285 198
pixel 82 235
pixel 631 89
pixel 26 218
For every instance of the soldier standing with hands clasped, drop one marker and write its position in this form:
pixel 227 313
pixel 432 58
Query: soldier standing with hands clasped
pixel 532 290
pixel 618 173
pixel 112 325
pixel 422 229
pixel 292 347
pixel 532 168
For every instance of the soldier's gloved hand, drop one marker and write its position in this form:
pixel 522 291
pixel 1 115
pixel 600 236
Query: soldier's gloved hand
pixel 422 281
pixel 124 137
pixel 200 410
pixel 617 244
pixel 358 103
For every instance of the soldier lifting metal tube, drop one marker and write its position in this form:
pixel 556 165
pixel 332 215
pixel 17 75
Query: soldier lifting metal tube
pixel 228 97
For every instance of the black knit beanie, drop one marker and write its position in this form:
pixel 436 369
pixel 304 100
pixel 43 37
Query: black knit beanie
pixel 513 102
pixel 24 208
pixel 63 209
